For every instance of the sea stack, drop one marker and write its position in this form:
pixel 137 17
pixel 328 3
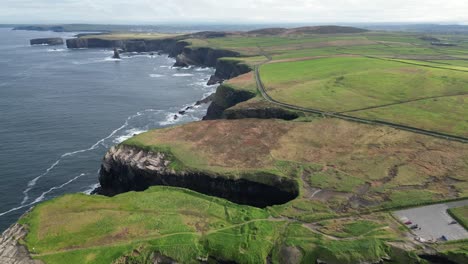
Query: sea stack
pixel 116 54
pixel 47 41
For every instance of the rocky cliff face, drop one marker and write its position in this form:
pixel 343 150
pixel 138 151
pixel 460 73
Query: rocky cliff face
pixel 11 251
pixel 261 113
pixel 206 57
pixel 224 98
pixel 173 47
pixel 127 168
pixel 47 41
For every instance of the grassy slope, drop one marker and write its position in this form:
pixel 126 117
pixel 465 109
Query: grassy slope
pixel 188 226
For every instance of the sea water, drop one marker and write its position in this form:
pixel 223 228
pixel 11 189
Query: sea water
pixel 61 110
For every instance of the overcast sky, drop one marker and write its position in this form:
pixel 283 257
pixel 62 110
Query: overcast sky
pixel 232 11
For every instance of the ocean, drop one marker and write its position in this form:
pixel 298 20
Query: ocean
pixel 61 110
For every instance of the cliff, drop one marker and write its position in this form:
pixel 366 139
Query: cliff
pixel 11 250
pixel 225 97
pixel 47 41
pixel 173 47
pixel 127 168
pixel 176 48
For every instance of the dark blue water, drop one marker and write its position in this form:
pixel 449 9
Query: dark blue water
pixel 60 110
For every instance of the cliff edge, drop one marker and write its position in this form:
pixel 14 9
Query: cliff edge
pixel 11 250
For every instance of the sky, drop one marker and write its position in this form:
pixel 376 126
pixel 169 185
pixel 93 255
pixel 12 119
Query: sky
pixel 233 11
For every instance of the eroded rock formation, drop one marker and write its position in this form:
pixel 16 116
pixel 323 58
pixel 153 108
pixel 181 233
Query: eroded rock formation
pixel 126 168
pixel 11 251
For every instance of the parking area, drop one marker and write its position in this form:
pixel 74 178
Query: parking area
pixel 433 221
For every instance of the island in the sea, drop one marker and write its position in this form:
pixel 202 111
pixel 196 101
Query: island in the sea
pixel 314 142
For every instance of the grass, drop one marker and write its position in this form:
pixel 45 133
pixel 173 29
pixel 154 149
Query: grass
pixel 336 180
pixel 445 114
pixel 69 226
pixel 384 90
pixel 185 226
pixel 461 215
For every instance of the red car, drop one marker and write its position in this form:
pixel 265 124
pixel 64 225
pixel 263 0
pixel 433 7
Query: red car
pixel 408 223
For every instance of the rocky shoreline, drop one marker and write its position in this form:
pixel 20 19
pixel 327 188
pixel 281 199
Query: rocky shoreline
pixel 176 48
pixel 11 250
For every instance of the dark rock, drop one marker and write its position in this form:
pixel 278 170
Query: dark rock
pixel 47 41
pixel 227 69
pixel 135 46
pixel 176 117
pixel 261 113
pixel 188 108
pixel 126 168
pixel 206 57
pixel 206 100
pixel 225 98
pixel 116 54
pixel 182 112
pixel 214 80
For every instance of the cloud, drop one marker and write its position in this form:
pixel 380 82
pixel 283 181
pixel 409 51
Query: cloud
pixel 232 11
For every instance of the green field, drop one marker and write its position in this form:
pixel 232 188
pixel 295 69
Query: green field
pixel 461 215
pixel 392 90
pixel 187 226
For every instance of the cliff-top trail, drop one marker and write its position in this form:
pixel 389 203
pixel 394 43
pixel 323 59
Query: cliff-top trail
pixel 314 137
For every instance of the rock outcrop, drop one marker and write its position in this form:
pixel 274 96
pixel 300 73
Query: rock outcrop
pixel 11 251
pixel 47 41
pixel 224 98
pixel 267 112
pixel 116 54
pixel 206 57
pixel 127 168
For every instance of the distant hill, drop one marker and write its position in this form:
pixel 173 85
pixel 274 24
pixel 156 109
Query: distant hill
pixel 307 30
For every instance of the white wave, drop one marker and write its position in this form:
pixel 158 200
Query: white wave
pixel 164 66
pixel 128 134
pixel 171 120
pixel 203 69
pixel 42 196
pixel 92 188
pixel 156 75
pixel 33 182
pixel 112 59
pixel 55 50
pixel 182 74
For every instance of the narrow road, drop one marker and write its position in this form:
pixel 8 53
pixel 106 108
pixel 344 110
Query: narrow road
pixel 267 97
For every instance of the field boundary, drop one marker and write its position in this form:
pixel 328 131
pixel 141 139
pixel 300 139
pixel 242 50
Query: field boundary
pixel 267 97
pixel 402 102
